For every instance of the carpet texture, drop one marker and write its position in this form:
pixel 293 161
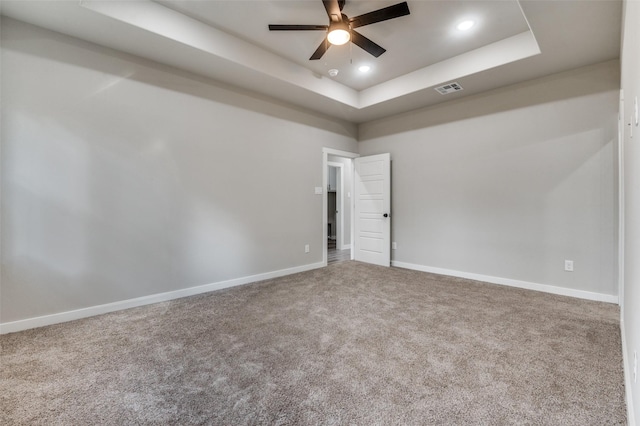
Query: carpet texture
pixel 347 344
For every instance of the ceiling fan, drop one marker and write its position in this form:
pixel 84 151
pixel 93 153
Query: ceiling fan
pixel 341 28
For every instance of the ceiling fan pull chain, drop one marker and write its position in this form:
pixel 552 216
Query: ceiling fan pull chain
pixel 351 53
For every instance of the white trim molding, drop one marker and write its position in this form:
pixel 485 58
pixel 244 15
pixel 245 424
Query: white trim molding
pixel 627 367
pixel 563 291
pixel 25 324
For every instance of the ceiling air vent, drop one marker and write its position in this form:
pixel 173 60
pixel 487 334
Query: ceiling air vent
pixel 449 88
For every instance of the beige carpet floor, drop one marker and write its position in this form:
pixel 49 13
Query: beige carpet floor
pixel 348 344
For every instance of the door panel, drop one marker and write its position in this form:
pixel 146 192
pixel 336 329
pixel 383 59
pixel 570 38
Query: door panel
pixel 371 207
pixel 372 226
pixel 372 201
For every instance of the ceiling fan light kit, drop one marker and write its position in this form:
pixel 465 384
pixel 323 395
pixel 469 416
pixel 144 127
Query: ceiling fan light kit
pixel 341 28
pixel 339 35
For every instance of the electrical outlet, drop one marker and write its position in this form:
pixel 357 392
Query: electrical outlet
pixel 394 246
pixel 635 366
pixel 568 265
pixel 306 248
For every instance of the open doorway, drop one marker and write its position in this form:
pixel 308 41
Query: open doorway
pixel 367 202
pixel 338 211
pixel 338 205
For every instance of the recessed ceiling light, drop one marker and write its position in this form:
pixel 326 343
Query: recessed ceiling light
pixel 364 68
pixel 465 25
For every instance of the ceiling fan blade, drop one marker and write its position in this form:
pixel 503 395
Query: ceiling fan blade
pixel 277 27
pixel 333 10
pixel 366 44
pixel 395 11
pixel 324 46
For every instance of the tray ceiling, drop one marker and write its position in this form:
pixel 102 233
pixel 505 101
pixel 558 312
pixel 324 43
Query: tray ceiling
pixel 229 41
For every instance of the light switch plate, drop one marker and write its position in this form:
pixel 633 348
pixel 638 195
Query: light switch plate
pixel 318 190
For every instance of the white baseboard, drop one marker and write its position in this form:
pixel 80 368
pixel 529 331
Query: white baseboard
pixel 11 327
pixel 581 294
pixel 628 370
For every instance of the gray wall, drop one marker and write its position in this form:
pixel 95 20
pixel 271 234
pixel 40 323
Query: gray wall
pixel 631 293
pixel 509 183
pixel 122 178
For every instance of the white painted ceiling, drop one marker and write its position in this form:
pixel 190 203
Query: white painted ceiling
pixel 229 41
pixel 404 36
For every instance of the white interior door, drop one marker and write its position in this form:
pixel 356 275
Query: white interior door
pixel 372 209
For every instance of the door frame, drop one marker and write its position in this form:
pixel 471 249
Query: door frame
pixel 325 160
pixel 621 206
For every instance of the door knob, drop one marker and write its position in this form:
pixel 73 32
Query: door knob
pixel 386 215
